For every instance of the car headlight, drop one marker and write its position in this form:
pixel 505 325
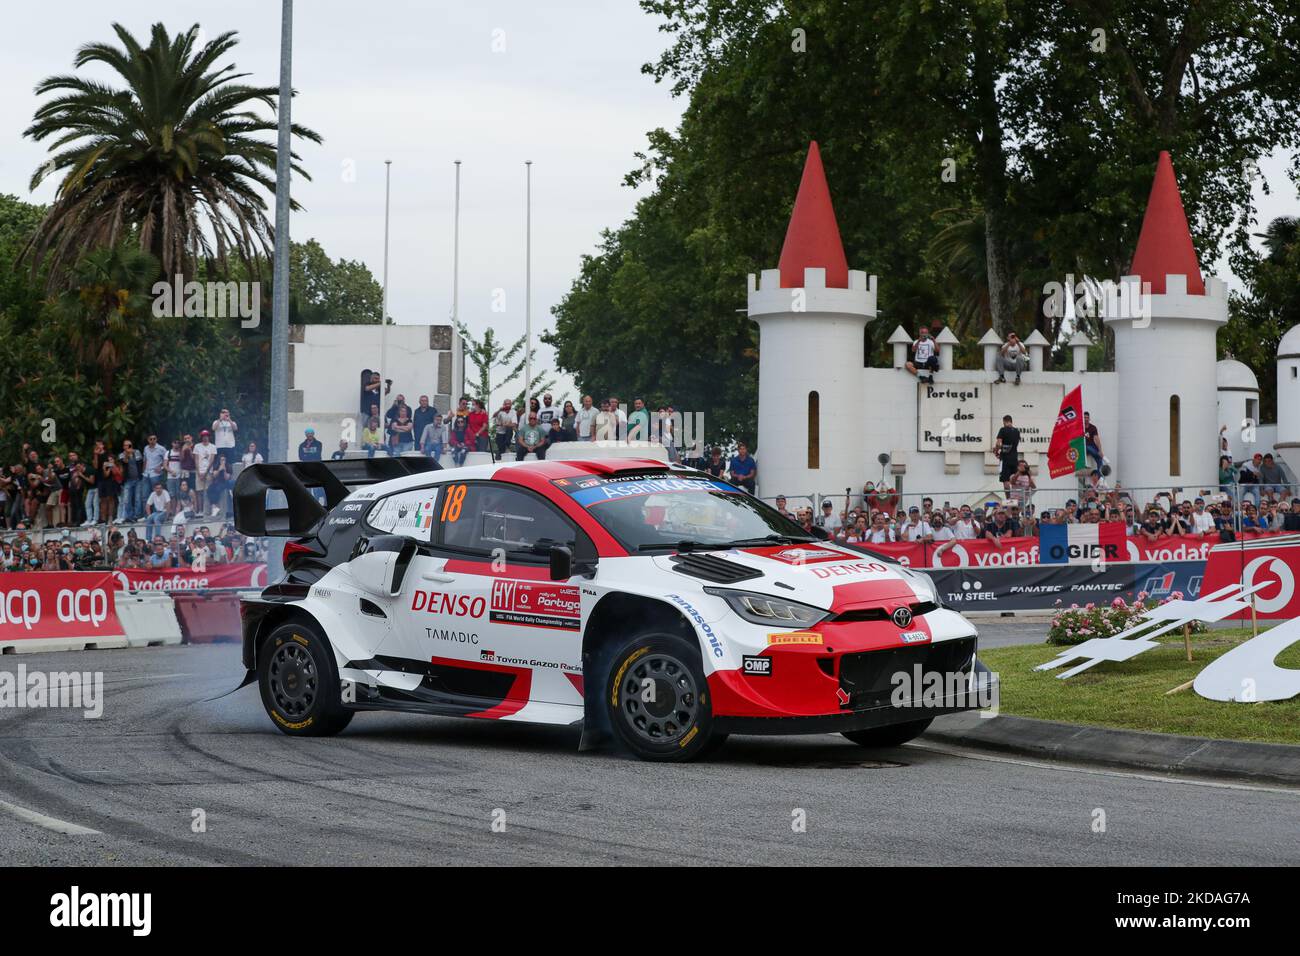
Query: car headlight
pixel 768 610
pixel 934 590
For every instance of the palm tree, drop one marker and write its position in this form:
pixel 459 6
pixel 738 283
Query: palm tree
pixel 173 158
pixel 1279 236
pixel 106 309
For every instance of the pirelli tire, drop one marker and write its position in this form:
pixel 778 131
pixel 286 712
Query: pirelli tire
pixel 894 735
pixel 299 681
pixel 657 699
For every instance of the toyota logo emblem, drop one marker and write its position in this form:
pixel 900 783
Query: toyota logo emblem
pixel 902 616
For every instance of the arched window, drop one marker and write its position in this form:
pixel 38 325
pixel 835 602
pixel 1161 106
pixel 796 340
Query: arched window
pixel 814 430
pixel 1175 429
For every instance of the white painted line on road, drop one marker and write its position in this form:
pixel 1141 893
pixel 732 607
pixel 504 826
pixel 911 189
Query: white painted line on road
pixel 1101 772
pixel 49 823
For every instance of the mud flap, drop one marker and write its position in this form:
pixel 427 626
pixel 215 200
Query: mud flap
pixel 597 734
pixel 249 678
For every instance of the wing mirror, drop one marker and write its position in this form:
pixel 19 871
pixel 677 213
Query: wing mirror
pixel 561 563
pixel 565 566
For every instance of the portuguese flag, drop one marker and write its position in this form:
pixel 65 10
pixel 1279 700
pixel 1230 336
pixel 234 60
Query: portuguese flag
pixel 1065 455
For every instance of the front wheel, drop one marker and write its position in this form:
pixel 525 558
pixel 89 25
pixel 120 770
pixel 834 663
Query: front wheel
pixel 299 683
pixel 895 735
pixel 657 699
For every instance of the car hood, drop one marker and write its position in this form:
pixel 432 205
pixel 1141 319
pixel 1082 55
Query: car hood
pixel 826 576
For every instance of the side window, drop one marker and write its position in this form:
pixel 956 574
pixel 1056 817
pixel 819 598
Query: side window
pixel 489 517
pixel 409 513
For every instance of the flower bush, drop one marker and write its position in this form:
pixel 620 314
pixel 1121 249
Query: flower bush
pixel 1076 624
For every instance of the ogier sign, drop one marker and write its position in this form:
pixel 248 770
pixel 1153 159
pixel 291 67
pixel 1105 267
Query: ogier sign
pixel 53 604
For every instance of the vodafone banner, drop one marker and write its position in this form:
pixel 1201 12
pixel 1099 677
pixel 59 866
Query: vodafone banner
pixel 53 604
pixel 184 579
pixel 1013 552
pixel 1272 563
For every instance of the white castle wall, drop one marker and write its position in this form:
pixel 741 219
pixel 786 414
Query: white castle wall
pixel 889 398
pixel 327 361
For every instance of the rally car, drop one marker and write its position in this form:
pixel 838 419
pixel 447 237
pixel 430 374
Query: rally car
pixel 657 607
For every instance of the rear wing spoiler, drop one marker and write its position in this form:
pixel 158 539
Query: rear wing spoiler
pixel 298 480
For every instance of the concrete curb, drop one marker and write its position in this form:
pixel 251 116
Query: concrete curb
pixel 1127 749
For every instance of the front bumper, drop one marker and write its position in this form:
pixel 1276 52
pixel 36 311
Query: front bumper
pixel 980 690
pixel 843 668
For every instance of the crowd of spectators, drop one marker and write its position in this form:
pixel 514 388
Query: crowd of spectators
pixel 876 517
pixel 512 430
pixel 1251 497
pixel 154 490
pixel 113 549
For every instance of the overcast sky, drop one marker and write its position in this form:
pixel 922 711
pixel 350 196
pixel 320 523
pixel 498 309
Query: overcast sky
pixel 418 83
pixel 423 84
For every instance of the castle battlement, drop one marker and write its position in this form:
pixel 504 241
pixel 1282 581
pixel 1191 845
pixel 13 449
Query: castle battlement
pixel 768 297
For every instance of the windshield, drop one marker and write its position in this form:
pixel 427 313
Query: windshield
pixel 679 511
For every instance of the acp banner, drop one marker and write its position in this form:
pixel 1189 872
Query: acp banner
pixel 244 575
pixel 51 604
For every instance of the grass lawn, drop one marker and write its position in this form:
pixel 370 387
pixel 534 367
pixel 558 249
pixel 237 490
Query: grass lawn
pixel 1132 694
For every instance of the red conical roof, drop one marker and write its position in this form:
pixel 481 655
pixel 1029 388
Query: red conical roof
pixel 812 239
pixel 1165 243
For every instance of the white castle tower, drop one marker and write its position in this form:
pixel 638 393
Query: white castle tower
pixel 811 313
pixel 1165 359
pixel 1288 398
pixel 1238 406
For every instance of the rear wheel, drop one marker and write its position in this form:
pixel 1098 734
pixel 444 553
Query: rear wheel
pixel 894 735
pixel 299 682
pixel 656 698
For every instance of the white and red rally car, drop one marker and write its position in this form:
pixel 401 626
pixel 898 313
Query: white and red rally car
pixel 654 605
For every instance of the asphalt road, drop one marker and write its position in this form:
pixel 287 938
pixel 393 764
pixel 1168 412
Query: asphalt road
pixel 397 789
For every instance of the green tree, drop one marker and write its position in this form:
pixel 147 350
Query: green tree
pixel 488 355
pixel 21 294
pixel 174 156
pixel 107 311
pixel 976 150
pixel 1258 319
pixel 325 291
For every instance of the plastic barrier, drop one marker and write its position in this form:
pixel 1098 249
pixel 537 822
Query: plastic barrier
pixel 208 618
pixel 148 617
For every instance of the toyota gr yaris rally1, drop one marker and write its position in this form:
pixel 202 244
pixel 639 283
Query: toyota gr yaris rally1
pixel 657 607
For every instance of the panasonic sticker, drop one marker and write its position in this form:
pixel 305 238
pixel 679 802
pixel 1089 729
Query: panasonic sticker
pixel 714 644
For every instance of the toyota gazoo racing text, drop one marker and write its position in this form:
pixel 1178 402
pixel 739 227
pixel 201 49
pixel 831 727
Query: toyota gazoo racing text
pixel 659 608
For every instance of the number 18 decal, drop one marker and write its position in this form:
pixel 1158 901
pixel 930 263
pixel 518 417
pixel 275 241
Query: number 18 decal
pixel 452 502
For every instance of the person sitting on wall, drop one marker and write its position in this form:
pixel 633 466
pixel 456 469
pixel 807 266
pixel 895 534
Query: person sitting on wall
pixel 925 356
pixel 1012 357
pixel 531 438
pixel 458 438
